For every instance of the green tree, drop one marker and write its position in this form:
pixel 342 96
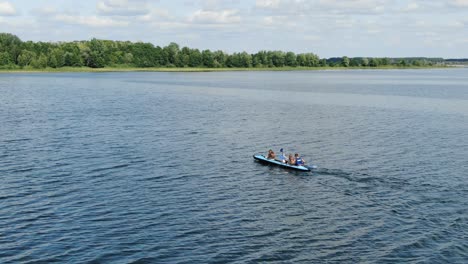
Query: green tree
pixel 365 62
pixel 417 63
pixel 374 62
pixel 100 53
pixel 159 56
pixel 301 59
pixel 72 59
pixel 385 61
pixel 345 61
pixel 128 58
pixel 208 59
pixel 245 60
pixel 40 62
pixel 56 58
pixel 96 57
pixel 312 60
pixel 72 55
pixel 323 63
pixel 145 55
pixel 355 62
pixel 195 59
pixel 262 58
pixel 25 58
pixel 184 57
pixel 237 60
pixel 220 59
pixel 290 59
pixel 256 61
pixel 12 45
pixel 172 50
pixel 5 58
pixel 277 58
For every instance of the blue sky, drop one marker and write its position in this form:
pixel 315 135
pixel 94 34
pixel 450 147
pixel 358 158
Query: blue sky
pixel 329 28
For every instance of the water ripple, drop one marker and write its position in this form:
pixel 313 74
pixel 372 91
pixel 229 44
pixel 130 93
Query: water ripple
pixel 100 168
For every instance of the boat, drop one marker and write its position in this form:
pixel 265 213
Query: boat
pixel 264 160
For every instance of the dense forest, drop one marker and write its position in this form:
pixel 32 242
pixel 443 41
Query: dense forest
pixel 456 61
pixel 18 54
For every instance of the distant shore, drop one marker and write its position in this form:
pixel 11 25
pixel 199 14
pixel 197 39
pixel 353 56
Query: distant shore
pixel 165 69
pixel 98 55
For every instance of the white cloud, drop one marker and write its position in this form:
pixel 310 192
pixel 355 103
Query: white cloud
pixel 122 7
pixel 7 9
pixel 45 11
pixel 229 16
pixel 168 26
pixel 215 4
pixel 455 24
pixel 156 14
pixel 91 21
pixel 344 23
pixel 272 4
pixel 268 21
pixel 279 22
pixel 312 38
pixel 372 25
pixel 322 7
pixel 460 3
pixel 426 34
pixel 285 6
pixel 411 7
pixel 373 31
pixel 354 6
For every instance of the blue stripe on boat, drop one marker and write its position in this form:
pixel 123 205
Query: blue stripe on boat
pixel 263 159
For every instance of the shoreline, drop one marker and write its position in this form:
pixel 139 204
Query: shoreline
pixel 164 69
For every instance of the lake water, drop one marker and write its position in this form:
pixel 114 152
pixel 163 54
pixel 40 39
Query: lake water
pixel 158 167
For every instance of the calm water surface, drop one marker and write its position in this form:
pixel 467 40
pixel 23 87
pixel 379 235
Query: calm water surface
pixel 158 168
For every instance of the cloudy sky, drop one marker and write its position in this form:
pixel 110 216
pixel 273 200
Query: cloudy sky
pixel 329 28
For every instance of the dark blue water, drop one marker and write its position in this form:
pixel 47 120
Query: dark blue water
pixel 157 167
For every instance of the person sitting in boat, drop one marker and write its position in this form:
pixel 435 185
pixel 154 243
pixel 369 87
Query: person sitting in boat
pixel 292 160
pixel 282 157
pixel 271 154
pixel 299 160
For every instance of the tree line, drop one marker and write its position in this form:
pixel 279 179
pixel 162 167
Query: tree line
pixel 96 53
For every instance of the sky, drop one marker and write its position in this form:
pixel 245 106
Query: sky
pixel 328 28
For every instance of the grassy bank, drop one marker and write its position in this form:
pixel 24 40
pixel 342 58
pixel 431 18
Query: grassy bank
pixel 164 69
